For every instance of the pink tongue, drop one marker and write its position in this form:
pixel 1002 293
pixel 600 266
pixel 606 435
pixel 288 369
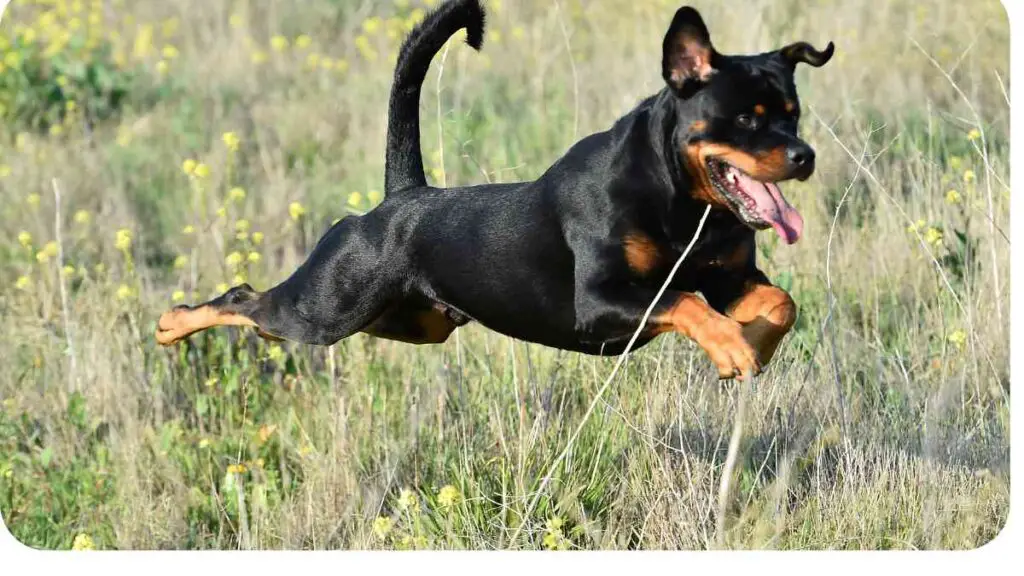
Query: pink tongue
pixel 770 205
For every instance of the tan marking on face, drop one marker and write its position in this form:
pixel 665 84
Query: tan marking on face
pixel 642 254
pixel 767 166
pixel 759 109
pixel 790 105
pixel 698 126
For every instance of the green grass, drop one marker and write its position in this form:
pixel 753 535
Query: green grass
pixel 883 422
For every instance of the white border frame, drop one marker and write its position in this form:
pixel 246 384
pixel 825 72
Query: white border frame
pixel 20 558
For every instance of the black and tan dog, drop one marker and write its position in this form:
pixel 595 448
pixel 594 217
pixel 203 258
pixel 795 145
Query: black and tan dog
pixel 573 259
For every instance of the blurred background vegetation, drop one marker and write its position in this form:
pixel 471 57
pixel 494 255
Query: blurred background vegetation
pixel 155 152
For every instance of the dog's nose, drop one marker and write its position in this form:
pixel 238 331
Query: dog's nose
pixel 800 155
pixel 801 160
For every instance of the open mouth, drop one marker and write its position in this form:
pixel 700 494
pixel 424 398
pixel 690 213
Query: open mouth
pixel 758 204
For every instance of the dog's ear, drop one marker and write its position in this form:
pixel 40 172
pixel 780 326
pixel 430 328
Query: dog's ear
pixel 802 52
pixel 688 58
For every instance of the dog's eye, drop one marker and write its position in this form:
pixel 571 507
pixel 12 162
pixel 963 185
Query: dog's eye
pixel 746 121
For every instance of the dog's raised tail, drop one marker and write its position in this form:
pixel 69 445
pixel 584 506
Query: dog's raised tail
pixel 404 160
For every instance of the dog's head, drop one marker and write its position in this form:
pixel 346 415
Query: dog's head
pixel 736 123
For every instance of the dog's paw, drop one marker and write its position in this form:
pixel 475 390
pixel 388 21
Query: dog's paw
pixel 723 341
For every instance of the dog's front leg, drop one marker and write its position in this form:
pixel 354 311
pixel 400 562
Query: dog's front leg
pixel 766 312
pixel 611 314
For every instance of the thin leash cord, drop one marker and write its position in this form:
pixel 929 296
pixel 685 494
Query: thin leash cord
pixel 622 358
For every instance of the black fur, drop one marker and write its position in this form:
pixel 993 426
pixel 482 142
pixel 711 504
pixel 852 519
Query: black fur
pixel 404 161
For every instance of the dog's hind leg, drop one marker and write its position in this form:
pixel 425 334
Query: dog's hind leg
pixel 338 291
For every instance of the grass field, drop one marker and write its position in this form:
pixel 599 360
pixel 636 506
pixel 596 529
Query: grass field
pixel 153 152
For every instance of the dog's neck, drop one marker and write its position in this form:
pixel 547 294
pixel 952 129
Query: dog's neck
pixel 670 184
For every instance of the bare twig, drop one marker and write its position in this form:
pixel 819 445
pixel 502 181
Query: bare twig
pixel 725 483
pixel 618 364
pixel 72 376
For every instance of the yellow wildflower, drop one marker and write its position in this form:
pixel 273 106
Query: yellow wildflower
pixel 82 217
pixel 188 230
pixel 447 496
pixel 933 236
pixel 210 382
pixel 238 279
pixel 51 249
pixel 204 443
pixel 123 239
pixel 181 261
pixel 22 283
pixel 242 236
pixel 371 25
pixel 974 134
pixel 222 212
pixel 242 225
pixel 237 468
pixel 67 270
pixel 303 42
pixel 259 57
pixel 279 43
pixel 374 196
pixel 162 67
pixel 237 194
pixel 202 170
pixel 953 197
pixel 124 292
pixel 407 501
pixel 5 170
pixel 42 257
pixel 382 526
pixel 169 52
pixel 234 259
pixel 916 226
pixel 178 296
pixel 257 238
pixel 25 239
pixel 355 199
pixel 275 353
pixel 189 166
pixel 969 176
pixel 33 199
pixel 83 542
pixel 554 539
pixel 222 287
pixel 253 257
pixel 957 338
pixel 231 141
pixel 56 130
pixel 296 210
